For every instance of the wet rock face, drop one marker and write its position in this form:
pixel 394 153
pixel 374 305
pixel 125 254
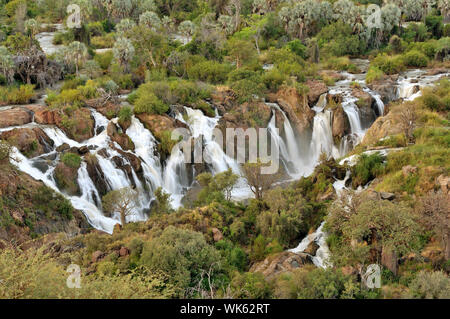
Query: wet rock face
pixel 299 112
pixel 316 89
pixel 158 124
pixel 341 124
pixel 387 88
pixel 14 117
pixel 66 179
pixel 31 142
pixel 117 135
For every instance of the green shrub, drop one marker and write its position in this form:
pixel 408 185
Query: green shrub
pixel 415 58
pixel 434 25
pixel 125 114
pixel 446 31
pixel 367 168
pixel 104 59
pixel 14 95
pixel 209 71
pixel 5 151
pixel 71 160
pixel 296 46
pixel 148 102
pixel 273 79
pixel 389 64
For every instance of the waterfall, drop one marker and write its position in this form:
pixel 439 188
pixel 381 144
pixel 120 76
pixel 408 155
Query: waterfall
pixel 201 125
pixel 88 190
pixel 92 213
pixel 322 137
pixel 175 176
pixel 321 259
pixel 377 97
pixel 144 147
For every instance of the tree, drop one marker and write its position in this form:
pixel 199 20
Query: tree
pixel 256 180
pixel 240 51
pixel 429 285
pixel 6 64
pixel 369 228
pixel 150 20
pixel 187 28
pixel 32 27
pixel 5 152
pixel 123 51
pixel 122 201
pixel 77 54
pixel 407 118
pixel 435 207
pixel 444 7
pixel 216 187
pixel 162 202
pixel 226 24
pixel 124 26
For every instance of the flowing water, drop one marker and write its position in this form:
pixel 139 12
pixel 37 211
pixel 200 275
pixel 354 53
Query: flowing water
pixel 298 154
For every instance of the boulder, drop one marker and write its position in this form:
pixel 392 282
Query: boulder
pixel 387 196
pixel 341 124
pixel 312 248
pixel 298 112
pixel 116 134
pixel 217 234
pixel 365 104
pixel 408 170
pixel 316 89
pixel 280 263
pixel 444 183
pixel 387 89
pixel 29 141
pixel 97 255
pixel 66 178
pixel 124 251
pixel 158 124
pixel 14 117
pixel 382 127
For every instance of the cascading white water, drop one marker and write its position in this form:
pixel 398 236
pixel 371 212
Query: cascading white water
pixel 88 190
pixel 321 258
pixel 92 213
pixel 322 137
pixel 144 147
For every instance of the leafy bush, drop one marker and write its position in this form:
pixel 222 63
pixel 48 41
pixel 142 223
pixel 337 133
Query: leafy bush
pixel 148 102
pixel 430 285
pixel 273 79
pixel 183 254
pixel 104 59
pixel 366 169
pixel 14 95
pixel 71 159
pixel 297 47
pixel 415 59
pixel 125 114
pixel 209 71
pixel 5 151
pixel 388 64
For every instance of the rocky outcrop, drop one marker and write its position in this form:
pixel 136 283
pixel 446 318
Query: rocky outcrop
pixel 66 178
pixel 29 141
pixel 79 125
pixel 30 219
pixel 14 117
pixel 116 134
pixel 299 113
pixel 366 105
pixel 316 89
pixel 217 234
pixel 280 263
pixel 158 124
pixel 381 128
pixel 341 124
pixel 387 88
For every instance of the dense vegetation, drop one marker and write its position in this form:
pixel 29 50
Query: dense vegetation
pixel 211 247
